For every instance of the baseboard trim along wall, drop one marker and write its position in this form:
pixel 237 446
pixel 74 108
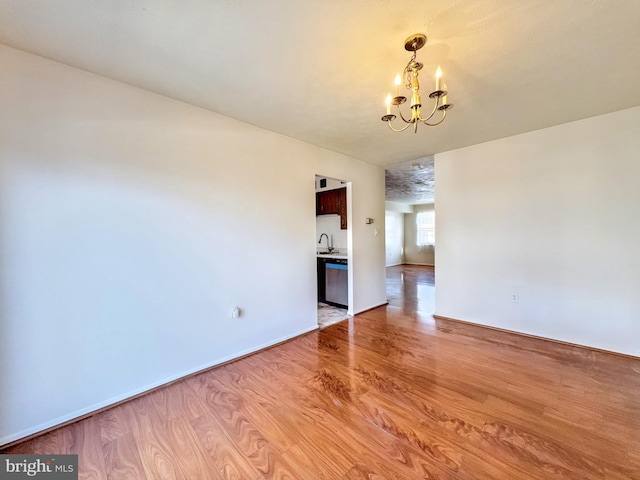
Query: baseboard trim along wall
pixel 73 417
pixel 420 264
pixel 537 337
pixel 370 308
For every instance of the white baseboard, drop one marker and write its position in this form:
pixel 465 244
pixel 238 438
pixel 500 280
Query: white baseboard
pixel 369 308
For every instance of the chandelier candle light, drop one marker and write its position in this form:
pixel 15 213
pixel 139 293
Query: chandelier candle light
pixel 410 74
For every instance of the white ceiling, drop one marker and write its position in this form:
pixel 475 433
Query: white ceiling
pixel 318 70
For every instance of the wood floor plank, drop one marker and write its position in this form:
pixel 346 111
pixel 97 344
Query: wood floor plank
pixel 326 463
pixel 268 461
pixel 153 442
pixel 392 393
pixel 227 406
pixel 56 441
pixel 275 425
pixel 122 460
pixel 91 464
pixel 229 461
pixel 189 452
pixel 112 424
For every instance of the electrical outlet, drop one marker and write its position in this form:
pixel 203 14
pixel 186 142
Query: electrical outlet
pixel 515 298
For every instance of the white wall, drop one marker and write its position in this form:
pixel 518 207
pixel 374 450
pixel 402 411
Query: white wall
pixel 552 216
pixel 130 223
pixel 398 207
pixel 330 224
pixel 394 238
pixel 412 253
pixel 331 183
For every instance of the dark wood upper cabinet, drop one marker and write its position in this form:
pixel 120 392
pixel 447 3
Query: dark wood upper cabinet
pixel 333 202
pixel 341 195
pixel 326 203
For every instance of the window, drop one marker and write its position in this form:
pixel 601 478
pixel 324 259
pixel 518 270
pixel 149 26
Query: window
pixel 426 228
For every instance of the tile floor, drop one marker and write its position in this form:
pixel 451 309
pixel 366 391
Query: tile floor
pixel 328 315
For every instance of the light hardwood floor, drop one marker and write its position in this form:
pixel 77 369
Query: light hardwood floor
pixel 389 394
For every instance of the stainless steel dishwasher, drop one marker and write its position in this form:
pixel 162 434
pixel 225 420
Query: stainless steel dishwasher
pixel 337 282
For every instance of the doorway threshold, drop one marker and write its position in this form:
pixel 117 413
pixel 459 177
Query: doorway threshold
pixel 328 315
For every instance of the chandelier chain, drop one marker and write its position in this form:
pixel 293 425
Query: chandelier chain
pixel 408 69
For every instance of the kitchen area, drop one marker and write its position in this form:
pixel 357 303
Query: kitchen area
pixel 332 250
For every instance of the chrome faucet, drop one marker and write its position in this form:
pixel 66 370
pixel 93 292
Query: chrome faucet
pixel 329 249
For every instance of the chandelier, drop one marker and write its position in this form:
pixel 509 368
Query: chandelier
pixel 410 78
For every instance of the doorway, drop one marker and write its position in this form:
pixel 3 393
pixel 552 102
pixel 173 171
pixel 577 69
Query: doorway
pixel 333 249
pixel 410 235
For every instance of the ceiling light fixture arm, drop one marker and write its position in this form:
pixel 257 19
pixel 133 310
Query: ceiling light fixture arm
pixel 444 115
pixel 402 117
pixel 399 129
pixel 433 112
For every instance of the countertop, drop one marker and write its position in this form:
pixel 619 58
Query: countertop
pixel 332 255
